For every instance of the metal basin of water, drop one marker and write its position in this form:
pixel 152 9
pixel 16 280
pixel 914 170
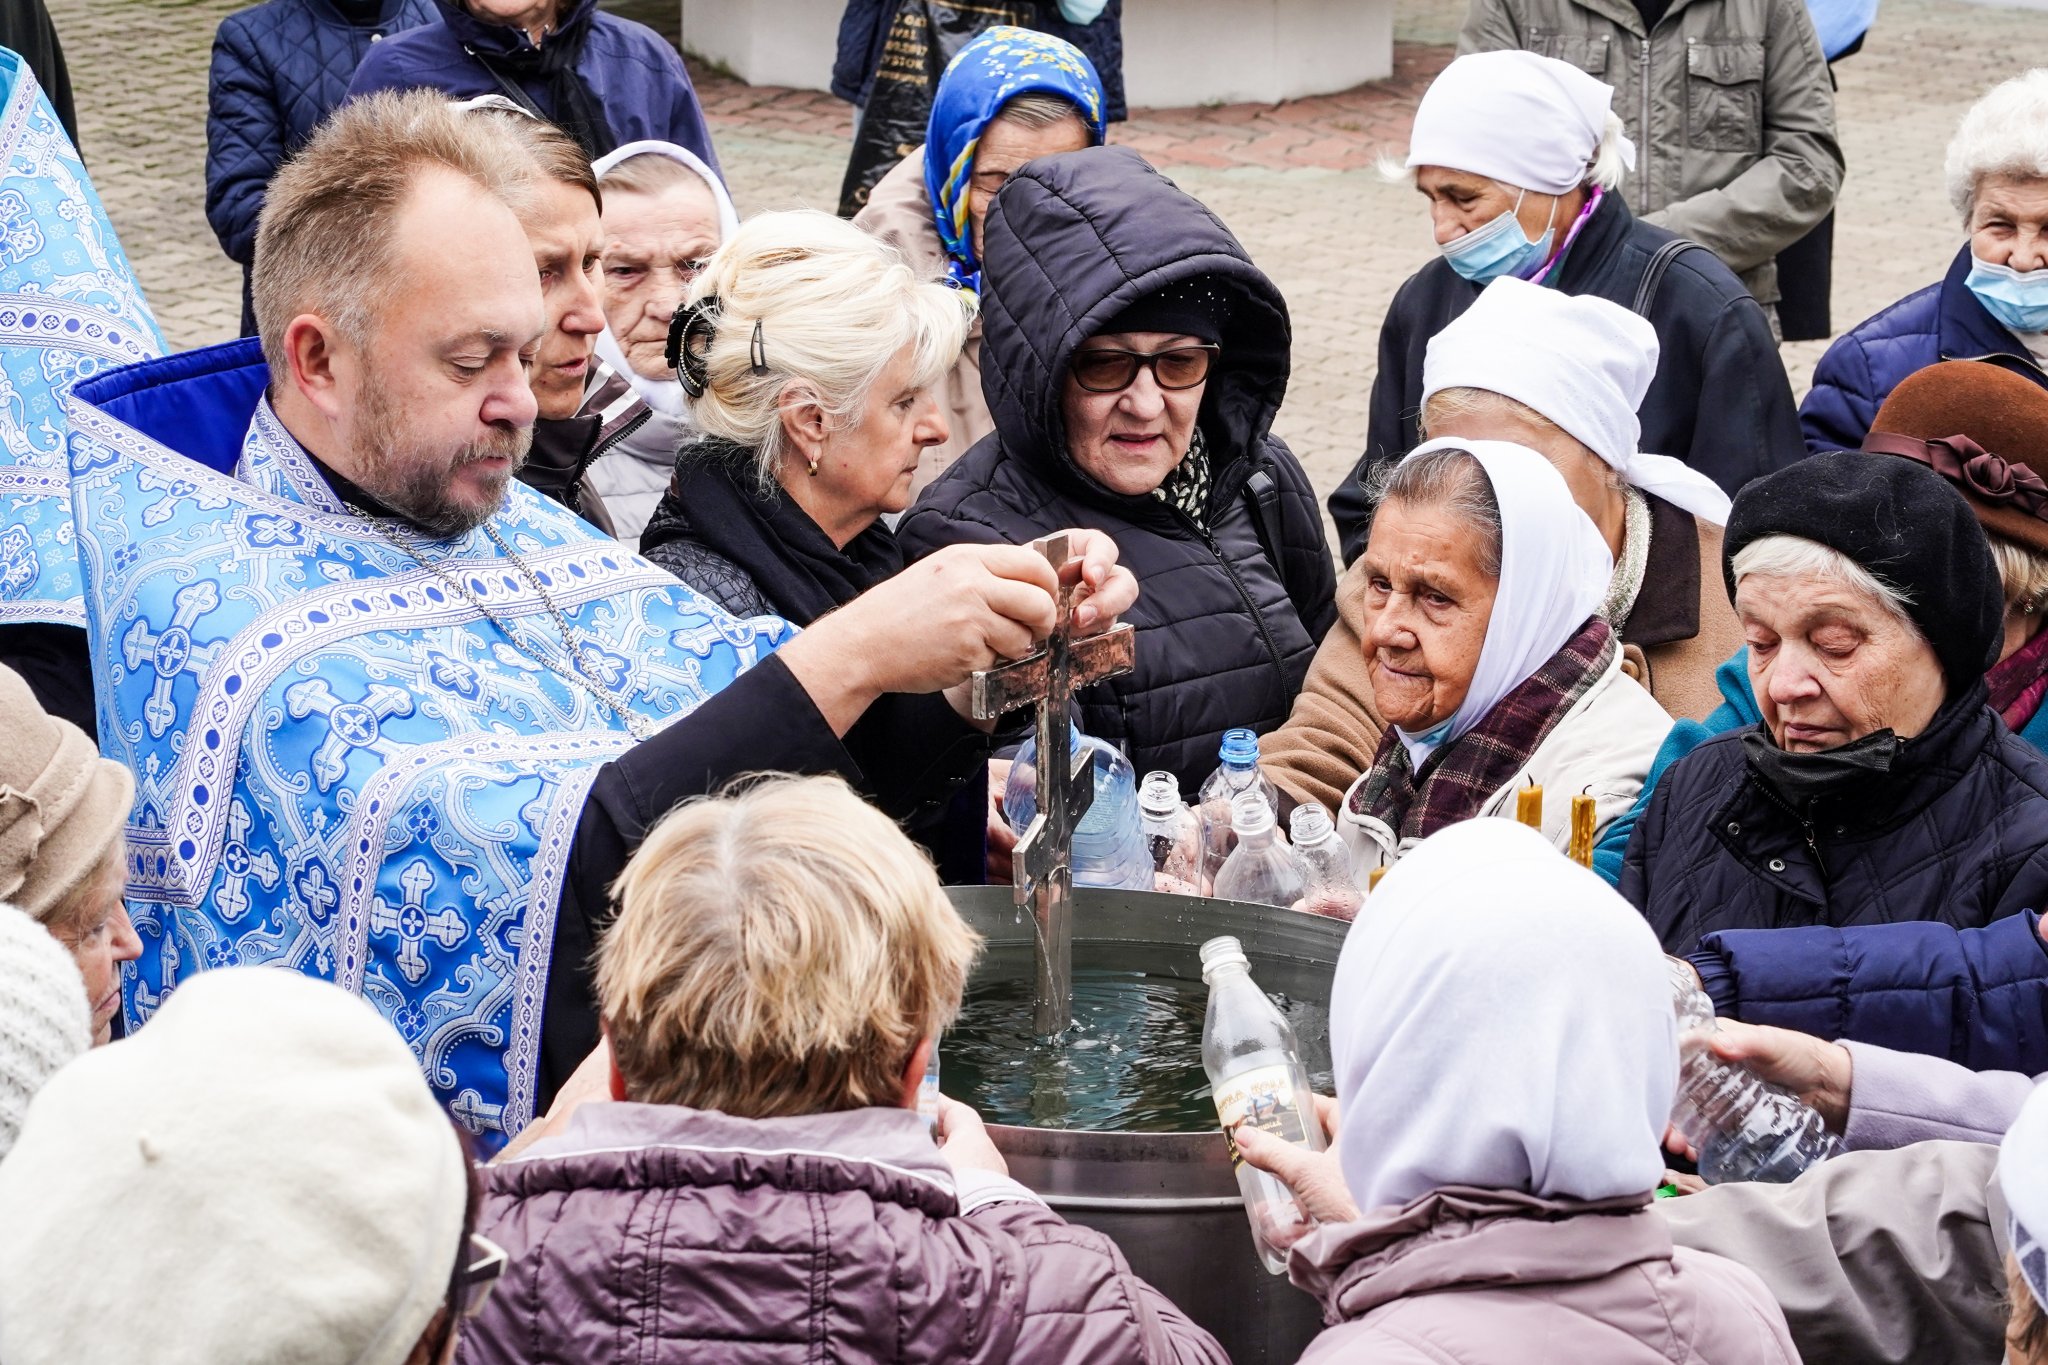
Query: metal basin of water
pixel 1169 1200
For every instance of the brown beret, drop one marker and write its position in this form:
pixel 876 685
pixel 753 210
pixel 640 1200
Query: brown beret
pixel 1984 429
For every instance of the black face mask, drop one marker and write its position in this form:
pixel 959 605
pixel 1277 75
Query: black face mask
pixel 1802 779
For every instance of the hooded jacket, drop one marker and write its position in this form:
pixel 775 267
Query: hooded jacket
pixel 1229 614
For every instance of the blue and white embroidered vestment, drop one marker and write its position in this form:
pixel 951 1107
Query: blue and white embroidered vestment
pixel 69 307
pixel 342 764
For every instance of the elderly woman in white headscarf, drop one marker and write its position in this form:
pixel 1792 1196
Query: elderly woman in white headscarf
pixel 1506 1059
pixel 1520 158
pixel 1562 375
pixel 1487 655
pixel 664 213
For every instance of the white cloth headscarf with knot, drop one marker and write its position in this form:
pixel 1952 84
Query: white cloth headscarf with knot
pixel 1501 1019
pixel 1531 122
pixel 1554 571
pixel 1582 362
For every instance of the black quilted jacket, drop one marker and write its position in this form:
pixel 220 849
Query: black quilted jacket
pixel 1226 626
pixel 1956 833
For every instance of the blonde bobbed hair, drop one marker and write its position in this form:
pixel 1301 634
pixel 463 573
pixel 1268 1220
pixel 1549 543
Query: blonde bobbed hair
pixel 835 306
pixel 779 950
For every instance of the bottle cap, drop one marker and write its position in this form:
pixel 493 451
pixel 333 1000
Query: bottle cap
pixel 1222 951
pixel 1309 824
pixel 1159 794
pixel 1240 749
pixel 1249 813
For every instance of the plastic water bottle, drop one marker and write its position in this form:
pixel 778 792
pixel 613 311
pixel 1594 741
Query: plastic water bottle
pixel 1325 862
pixel 928 1090
pixel 1260 870
pixel 1256 1076
pixel 1238 772
pixel 1109 843
pixel 1170 835
pixel 1744 1127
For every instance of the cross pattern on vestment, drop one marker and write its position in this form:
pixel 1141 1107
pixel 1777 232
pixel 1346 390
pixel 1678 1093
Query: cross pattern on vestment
pixel 1042 866
pixel 350 724
pixel 232 900
pixel 413 922
pixel 18 562
pixel 171 651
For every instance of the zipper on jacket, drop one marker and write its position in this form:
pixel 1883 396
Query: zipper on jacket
pixel 1251 605
pixel 602 447
pixel 1649 188
pixel 1805 826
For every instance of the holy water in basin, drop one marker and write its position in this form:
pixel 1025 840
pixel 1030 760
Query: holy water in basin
pixel 1166 1194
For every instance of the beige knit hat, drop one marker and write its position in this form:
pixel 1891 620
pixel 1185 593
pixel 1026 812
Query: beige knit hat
pixel 62 806
pixel 259 1176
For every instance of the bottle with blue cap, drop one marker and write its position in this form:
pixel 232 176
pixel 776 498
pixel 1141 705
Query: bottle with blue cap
pixel 1238 771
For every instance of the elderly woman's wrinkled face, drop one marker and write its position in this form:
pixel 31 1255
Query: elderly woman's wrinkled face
pixel 1005 145
pixel 865 470
pixel 1829 663
pixel 654 245
pixel 2009 222
pixel 95 927
pixel 1460 202
pixel 1130 440
pixel 1428 598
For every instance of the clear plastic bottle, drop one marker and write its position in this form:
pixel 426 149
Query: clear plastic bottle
pixel 1743 1127
pixel 1237 772
pixel 1325 862
pixel 1109 843
pixel 928 1089
pixel 1260 870
pixel 1170 835
pixel 1256 1076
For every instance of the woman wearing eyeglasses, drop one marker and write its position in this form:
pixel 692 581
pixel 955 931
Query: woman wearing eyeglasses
pixel 1134 359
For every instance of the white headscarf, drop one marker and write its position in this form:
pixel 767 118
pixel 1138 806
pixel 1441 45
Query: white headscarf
pixel 1500 1019
pixel 2023 1179
pixel 1583 362
pixel 1554 571
pixel 1528 121
pixel 665 396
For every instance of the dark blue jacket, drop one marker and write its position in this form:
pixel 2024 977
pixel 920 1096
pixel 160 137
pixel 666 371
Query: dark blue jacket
pixel 630 69
pixel 1941 322
pixel 277 70
pixel 864 28
pixel 1974 996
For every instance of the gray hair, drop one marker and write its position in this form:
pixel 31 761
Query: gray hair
pixel 2005 133
pixel 1452 480
pixel 1788 556
pixel 1040 109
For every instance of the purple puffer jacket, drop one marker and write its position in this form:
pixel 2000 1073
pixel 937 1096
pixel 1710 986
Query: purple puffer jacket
pixel 659 1235
pixel 1477 1277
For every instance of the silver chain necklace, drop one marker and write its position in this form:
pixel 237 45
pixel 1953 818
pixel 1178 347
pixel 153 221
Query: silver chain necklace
pixel 638 726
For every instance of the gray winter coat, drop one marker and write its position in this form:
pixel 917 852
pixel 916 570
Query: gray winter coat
pixel 664 1235
pixel 1729 103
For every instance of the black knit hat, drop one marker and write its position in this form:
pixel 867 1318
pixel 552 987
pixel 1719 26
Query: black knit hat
pixel 1905 524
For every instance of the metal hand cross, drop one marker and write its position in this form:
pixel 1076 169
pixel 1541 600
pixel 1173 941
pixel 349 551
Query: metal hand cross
pixel 1043 862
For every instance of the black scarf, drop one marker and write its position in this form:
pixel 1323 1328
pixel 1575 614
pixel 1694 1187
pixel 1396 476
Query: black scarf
pixel 510 56
pixel 793 563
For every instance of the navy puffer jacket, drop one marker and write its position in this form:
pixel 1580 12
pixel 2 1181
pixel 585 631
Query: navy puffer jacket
pixel 1941 322
pixel 1228 617
pixel 1955 833
pixel 277 70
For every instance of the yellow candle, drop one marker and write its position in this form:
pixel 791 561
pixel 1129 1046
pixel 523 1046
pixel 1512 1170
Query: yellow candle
pixel 1529 806
pixel 1581 850
pixel 1372 883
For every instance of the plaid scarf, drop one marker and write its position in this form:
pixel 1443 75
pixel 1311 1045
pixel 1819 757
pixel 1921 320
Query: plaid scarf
pixel 1463 776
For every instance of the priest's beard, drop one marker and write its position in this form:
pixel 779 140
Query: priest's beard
pixel 418 482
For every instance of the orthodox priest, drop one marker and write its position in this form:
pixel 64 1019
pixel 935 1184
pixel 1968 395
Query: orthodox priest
pixel 398 720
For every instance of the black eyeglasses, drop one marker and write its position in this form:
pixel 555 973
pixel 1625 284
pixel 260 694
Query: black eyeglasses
pixel 1107 371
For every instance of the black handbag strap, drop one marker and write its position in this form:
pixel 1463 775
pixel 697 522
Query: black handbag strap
pixel 1653 274
pixel 1263 492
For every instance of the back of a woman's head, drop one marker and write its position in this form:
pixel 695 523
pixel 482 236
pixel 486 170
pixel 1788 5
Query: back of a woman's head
pixel 781 950
pixel 1500 1019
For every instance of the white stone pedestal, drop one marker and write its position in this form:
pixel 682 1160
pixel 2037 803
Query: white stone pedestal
pixel 1177 53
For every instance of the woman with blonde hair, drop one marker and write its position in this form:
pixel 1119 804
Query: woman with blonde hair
pixel 782 961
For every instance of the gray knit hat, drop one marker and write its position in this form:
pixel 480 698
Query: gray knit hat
pixel 44 1018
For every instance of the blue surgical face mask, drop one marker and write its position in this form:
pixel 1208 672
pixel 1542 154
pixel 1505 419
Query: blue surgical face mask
pixel 1500 247
pixel 2018 300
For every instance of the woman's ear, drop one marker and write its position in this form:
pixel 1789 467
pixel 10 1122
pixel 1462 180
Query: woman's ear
pixel 913 1074
pixel 803 420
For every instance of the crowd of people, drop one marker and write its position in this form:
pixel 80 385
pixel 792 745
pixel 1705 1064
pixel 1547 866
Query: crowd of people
pixel 481 756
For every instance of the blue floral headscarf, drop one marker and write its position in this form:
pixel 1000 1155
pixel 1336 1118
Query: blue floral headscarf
pixel 994 69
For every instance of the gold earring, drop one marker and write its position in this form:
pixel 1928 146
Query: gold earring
pixel 814 466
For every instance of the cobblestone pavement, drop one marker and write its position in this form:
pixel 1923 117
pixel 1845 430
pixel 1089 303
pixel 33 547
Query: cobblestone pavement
pixel 1296 181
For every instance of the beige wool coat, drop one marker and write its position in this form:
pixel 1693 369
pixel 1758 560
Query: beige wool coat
pixel 1681 630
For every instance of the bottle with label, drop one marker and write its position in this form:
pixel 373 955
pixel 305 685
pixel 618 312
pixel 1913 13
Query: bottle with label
pixel 1109 842
pixel 1237 772
pixel 1260 870
pixel 1325 862
pixel 1256 1076
pixel 1170 835
pixel 1743 1127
